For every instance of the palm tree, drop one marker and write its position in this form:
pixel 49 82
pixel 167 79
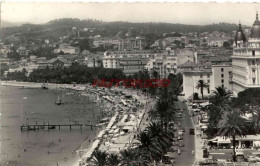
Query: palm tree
pixel 113 160
pixel 100 158
pixel 163 111
pixel 219 103
pixel 161 137
pixel 233 125
pixel 256 120
pixel 222 93
pixel 132 157
pixel 201 85
pixel 149 146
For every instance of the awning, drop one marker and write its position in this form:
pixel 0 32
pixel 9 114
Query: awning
pixel 131 128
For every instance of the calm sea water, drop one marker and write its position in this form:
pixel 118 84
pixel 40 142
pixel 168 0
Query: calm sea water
pixel 30 148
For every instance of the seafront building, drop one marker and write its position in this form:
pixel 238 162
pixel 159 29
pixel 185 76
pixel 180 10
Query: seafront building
pixel 246 59
pixel 213 76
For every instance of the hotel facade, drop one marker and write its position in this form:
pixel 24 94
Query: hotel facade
pixel 246 59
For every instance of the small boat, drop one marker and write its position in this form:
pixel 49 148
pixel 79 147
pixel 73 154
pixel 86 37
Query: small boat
pixel 44 86
pixel 51 127
pixel 58 102
pixel 31 128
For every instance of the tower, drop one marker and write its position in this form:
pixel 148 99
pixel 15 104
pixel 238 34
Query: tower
pixel 246 59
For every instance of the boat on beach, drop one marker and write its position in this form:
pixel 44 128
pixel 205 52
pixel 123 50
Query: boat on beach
pixel 44 86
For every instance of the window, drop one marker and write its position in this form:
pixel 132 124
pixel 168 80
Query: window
pixel 208 81
pixel 222 69
pixel 253 52
pixel 222 75
pixel 253 62
pixel 222 81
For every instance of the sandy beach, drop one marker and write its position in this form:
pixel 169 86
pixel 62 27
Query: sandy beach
pixel 112 136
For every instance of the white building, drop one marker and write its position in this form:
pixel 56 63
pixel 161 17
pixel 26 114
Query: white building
pixel 246 59
pixel 217 75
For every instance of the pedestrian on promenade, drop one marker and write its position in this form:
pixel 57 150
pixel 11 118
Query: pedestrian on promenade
pixel 192 152
pixel 179 151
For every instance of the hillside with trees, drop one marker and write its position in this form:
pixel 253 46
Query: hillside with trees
pixel 61 27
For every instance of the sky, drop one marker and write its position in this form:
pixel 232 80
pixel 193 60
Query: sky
pixel 183 13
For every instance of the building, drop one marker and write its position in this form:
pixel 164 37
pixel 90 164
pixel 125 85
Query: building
pixel 22 51
pixel 67 49
pixel 164 65
pixel 217 41
pixel 132 65
pixel 246 59
pixel 102 42
pixel 111 59
pixel 94 61
pixel 185 56
pixel 214 76
pixel 137 43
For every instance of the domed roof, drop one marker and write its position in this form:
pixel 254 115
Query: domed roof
pixel 255 30
pixel 240 36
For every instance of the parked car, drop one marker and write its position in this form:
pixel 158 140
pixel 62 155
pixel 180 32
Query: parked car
pixel 252 159
pixel 180 138
pixel 241 158
pixel 181 143
pixel 257 157
pixel 179 115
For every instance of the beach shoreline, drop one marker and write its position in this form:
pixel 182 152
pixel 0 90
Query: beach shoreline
pixel 86 146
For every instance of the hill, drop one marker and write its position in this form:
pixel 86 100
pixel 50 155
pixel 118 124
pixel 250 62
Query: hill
pixel 11 24
pixel 63 27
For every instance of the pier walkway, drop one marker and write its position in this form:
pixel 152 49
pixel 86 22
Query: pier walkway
pixel 53 126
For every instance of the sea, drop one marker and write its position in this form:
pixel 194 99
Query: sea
pixel 44 147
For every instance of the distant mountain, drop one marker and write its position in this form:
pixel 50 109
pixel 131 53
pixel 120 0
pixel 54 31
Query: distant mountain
pixel 11 24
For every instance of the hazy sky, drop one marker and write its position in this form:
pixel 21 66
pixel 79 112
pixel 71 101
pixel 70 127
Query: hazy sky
pixel 184 13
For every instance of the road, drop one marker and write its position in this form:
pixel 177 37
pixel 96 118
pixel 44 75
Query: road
pixel 186 158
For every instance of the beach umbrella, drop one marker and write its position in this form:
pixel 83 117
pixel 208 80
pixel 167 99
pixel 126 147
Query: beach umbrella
pixel 114 127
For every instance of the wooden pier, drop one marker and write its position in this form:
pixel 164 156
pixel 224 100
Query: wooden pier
pixel 51 126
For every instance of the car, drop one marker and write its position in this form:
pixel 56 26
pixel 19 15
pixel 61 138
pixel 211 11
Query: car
pixel 175 128
pixel 181 143
pixel 257 157
pixel 180 138
pixel 241 158
pixel 182 130
pixel 252 159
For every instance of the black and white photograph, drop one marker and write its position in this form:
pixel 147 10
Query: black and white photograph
pixel 129 84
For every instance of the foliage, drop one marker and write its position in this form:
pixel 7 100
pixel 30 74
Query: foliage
pixel 249 96
pixel 100 158
pixel 75 73
pixel 233 125
pixel 196 96
pixel 113 160
pixel 14 56
pixel 201 85
pixel 218 104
